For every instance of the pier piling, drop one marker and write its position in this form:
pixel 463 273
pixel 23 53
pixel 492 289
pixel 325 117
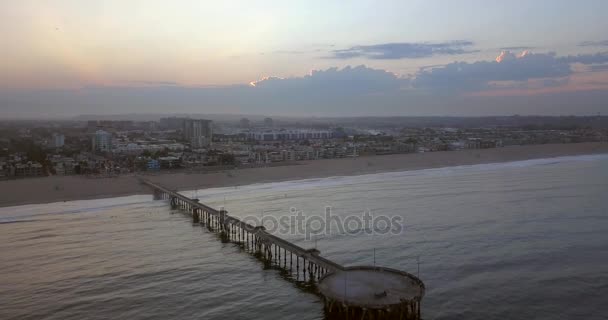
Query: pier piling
pixel 381 293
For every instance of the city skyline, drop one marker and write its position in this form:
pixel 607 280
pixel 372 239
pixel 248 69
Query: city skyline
pixel 471 58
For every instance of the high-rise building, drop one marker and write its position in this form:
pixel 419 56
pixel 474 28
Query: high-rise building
pixel 268 122
pixel 245 123
pixel 198 131
pixel 172 123
pixel 58 140
pixel 102 141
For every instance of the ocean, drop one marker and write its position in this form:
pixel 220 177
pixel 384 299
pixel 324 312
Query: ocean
pixel 517 240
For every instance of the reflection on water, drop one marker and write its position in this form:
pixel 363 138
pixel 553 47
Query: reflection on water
pixel 506 241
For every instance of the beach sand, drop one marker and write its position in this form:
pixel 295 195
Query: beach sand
pixel 67 188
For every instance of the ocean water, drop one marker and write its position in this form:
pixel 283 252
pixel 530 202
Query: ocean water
pixel 518 240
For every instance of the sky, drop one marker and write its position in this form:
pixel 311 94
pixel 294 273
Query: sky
pixel 303 58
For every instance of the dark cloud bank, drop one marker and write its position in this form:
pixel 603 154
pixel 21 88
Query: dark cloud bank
pixel 602 43
pixel 460 76
pixel 351 91
pixel 517 48
pixel 404 50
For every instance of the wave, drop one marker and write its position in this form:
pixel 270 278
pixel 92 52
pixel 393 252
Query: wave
pixel 28 213
pixel 333 181
pixel 2 221
pixel 32 212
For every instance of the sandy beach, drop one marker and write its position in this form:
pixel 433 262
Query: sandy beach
pixel 67 188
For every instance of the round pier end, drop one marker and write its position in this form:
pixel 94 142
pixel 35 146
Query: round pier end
pixel 371 293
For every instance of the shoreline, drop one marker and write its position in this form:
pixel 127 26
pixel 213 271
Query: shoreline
pixel 70 188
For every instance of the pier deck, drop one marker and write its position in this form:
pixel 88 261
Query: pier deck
pixel 348 293
pixel 260 233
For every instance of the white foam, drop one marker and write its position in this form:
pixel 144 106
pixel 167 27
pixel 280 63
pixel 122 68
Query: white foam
pixel 30 211
pixel 18 213
pixel 316 183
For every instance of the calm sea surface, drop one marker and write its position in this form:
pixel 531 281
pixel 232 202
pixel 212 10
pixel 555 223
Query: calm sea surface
pixel 520 240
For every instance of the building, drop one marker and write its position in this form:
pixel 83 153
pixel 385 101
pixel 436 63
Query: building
pixel 289 155
pixel 153 165
pixel 138 148
pixel 289 135
pixel 111 125
pixel 63 165
pixel 29 169
pixel 268 122
pixel 275 156
pixel 4 169
pixel 172 123
pixel 198 131
pixel 102 141
pixel 245 123
pixel 477 143
pixel 230 138
pixel 169 162
pixel 58 140
pixel 200 142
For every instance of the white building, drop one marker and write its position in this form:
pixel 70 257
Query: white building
pixel 135 148
pixel 289 155
pixel 289 135
pixel 63 166
pixel 102 141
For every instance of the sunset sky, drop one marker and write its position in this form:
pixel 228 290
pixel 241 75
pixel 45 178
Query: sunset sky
pixel 61 58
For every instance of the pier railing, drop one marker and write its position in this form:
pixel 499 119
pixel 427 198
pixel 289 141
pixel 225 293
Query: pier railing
pixel 398 299
pixel 266 245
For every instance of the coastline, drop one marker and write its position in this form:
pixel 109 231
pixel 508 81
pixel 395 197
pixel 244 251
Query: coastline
pixel 70 188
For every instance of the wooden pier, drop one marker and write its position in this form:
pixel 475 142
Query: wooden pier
pixel 381 300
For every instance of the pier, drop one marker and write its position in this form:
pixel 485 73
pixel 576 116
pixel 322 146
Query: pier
pixel 348 292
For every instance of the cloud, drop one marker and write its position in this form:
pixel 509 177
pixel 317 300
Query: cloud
pixel 600 57
pixel 599 68
pixel 403 50
pixel 555 82
pixel 463 76
pixel 517 48
pixel 508 55
pixel 154 83
pixel 332 91
pixel 603 43
pixel 525 83
pixel 290 52
pixel 305 49
pixel 360 79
